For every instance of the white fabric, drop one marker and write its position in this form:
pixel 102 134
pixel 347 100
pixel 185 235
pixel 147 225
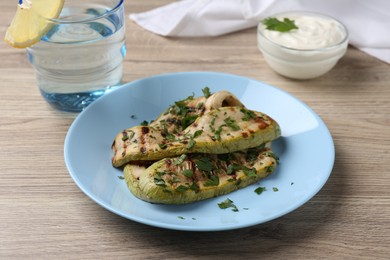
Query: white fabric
pixel 368 22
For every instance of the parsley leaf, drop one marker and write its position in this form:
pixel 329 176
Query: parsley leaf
pixel 213 181
pixel 204 164
pixel 260 190
pixel 228 204
pixel 274 24
pixel 181 188
pixel 248 114
pixel 180 160
pixel 144 123
pixel 188 173
pixel 232 124
pixel 232 168
pixel 206 92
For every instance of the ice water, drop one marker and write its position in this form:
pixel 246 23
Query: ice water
pixel 77 62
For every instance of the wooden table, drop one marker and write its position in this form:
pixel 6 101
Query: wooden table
pixel 43 214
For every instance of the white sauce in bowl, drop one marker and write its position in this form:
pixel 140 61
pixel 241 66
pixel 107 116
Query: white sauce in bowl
pixel 313 32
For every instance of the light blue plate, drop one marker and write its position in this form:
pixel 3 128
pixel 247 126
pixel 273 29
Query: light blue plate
pixel 305 149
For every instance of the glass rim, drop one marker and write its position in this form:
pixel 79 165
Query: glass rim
pixel 86 20
pixel 260 30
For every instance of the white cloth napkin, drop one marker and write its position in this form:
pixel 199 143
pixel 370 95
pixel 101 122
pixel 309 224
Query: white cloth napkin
pixel 368 22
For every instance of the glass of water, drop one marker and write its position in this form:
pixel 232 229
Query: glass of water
pixel 80 58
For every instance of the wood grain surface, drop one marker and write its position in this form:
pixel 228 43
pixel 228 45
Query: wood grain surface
pixel 44 215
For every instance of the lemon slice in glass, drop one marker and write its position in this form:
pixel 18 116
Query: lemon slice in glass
pixel 31 21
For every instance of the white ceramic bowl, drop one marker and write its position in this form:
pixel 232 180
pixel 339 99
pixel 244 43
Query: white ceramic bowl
pixel 301 62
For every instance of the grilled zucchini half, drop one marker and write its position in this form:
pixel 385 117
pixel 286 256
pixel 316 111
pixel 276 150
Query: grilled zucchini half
pixel 193 177
pixel 218 131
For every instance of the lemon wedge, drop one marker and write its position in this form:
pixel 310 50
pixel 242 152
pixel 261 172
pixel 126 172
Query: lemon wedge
pixel 31 23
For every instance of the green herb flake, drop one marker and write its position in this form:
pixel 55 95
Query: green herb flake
pixel 188 120
pixel 275 189
pixel 248 114
pixel 144 123
pixel 228 204
pixel 180 160
pixel 206 92
pixel 194 187
pixel 274 24
pixel 180 217
pixel 191 143
pixel 133 116
pixel 250 172
pixel 232 124
pixel 163 146
pixel 197 133
pixel 181 188
pixel 121 177
pixel 158 179
pixel 188 173
pixel 260 190
pixel 204 164
pixel 212 181
pixel 269 168
pixel 159 182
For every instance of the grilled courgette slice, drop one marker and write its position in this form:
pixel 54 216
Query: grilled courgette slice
pixel 193 177
pixel 218 131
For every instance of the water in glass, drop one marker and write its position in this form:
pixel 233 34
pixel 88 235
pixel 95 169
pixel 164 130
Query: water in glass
pixel 80 58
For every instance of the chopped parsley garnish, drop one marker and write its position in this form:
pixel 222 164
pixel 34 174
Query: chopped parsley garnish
pixel 188 120
pixel 274 24
pixel 232 124
pixel 159 182
pixel 204 164
pixel 191 143
pixel 269 168
pixel 232 168
pixel 248 115
pixel 194 187
pixel 181 188
pixel 180 217
pixel 197 133
pixel 180 160
pixel 275 189
pixel 144 123
pixel 180 108
pixel 212 181
pixel 206 92
pixel 228 204
pixel 163 146
pixel 260 190
pixel 188 173
pixel 126 135
pixel 158 179
pixel 121 177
